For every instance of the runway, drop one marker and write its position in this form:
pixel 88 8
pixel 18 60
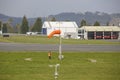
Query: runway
pixel 55 47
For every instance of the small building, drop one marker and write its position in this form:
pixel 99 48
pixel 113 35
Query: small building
pixel 99 32
pixel 68 28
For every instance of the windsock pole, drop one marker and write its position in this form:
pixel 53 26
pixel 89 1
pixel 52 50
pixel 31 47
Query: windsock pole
pixel 60 49
pixel 60 45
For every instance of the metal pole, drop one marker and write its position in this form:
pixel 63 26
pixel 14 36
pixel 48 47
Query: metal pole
pixel 60 49
pixel 60 43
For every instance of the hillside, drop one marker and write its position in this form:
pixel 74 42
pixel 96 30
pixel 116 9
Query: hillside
pixel 90 17
pixel 15 20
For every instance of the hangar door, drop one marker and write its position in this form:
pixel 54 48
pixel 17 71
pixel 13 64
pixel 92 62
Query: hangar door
pixel 90 35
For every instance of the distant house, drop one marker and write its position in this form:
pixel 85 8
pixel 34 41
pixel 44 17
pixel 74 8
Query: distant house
pixel 99 32
pixel 68 28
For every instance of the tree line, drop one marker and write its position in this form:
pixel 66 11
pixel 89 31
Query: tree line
pixel 36 27
pixel 21 28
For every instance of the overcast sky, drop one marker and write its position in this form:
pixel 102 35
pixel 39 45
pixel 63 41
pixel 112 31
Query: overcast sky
pixel 42 8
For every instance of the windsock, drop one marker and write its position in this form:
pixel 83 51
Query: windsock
pixel 54 32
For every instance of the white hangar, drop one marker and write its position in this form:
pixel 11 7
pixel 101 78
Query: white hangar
pixel 68 28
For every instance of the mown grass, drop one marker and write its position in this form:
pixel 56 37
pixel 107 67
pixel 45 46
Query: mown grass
pixel 54 40
pixel 74 66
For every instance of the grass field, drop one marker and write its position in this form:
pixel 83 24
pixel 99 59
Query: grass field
pixel 74 66
pixel 54 40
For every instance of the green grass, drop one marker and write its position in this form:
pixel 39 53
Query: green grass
pixel 74 66
pixel 54 40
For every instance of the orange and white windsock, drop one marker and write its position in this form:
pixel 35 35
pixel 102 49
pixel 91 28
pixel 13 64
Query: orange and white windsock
pixel 54 32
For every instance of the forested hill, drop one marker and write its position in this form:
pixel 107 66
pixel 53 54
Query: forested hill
pixel 90 18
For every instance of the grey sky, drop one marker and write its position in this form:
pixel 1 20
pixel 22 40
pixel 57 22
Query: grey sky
pixel 41 8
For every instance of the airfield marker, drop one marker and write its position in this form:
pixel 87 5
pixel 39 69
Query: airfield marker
pixel 56 70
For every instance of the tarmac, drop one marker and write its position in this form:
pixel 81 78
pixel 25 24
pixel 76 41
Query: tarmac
pixel 55 47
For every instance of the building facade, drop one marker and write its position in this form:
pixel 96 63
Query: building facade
pixel 99 32
pixel 68 28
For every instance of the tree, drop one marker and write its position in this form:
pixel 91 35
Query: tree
pixel 9 26
pixel 107 24
pixel 17 28
pixel 83 23
pixel 37 27
pixel 53 19
pixel 24 27
pixel 4 29
pixel 10 20
pixel 0 25
pixel 96 23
